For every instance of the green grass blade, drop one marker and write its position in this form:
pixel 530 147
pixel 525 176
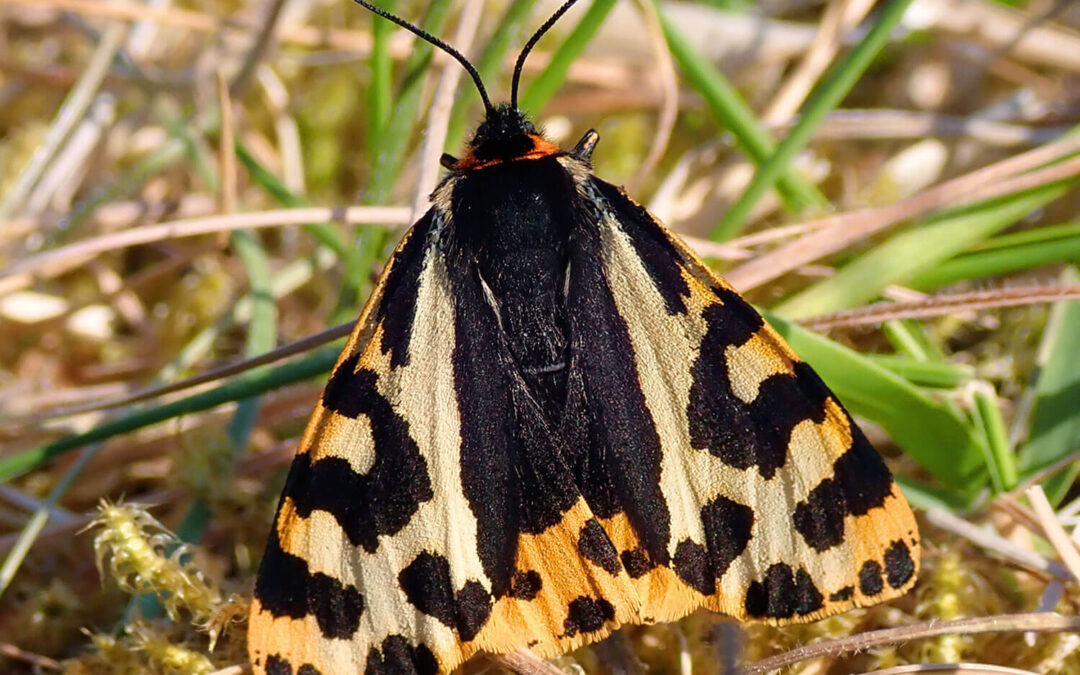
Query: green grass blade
pixel 911 338
pixel 389 152
pixel 934 374
pixel 824 99
pixel 1054 431
pixel 1000 459
pixel 928 430
pixel 923 496
pixel 380 92
pixel 543 87
pixel 389 149
pixel 1006 254
pixel 910 253
pixel 262 329
pixel 327 234
pixel 239 389
pixel 732 113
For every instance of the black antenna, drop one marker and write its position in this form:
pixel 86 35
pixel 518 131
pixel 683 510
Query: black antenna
pixel 428 37
pixel 528 48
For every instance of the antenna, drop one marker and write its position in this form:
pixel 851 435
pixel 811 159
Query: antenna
pixel 428 37
pixel 528 48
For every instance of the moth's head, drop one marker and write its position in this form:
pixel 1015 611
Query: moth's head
pixel 505 135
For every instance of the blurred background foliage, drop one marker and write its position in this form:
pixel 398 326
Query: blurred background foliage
pixel 893 182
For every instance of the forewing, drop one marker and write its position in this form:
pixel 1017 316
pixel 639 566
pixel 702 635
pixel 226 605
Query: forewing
pixel 735 479
pixel 427 514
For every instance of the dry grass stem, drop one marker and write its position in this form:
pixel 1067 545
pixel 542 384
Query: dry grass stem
pixel 669 100
pixel 301 36
pixel 839 17
pixel 1053 530
pixel 900 124
pixel 834 233
pixel 954 668
pixel 943 304
pixel 1037 622
pixel 442 106
pixel 59 260
pixel 36 660
pixel 282 352
pixel 233 670
pixel 227 148
pixel 994 543
pixel 73 109
pixel 524 662
pixel 1007 30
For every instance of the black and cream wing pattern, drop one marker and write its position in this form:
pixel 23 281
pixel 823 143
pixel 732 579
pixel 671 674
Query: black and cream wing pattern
pixel 550 420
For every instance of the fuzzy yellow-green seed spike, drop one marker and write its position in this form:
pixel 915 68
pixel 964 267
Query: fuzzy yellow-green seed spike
pixel 136 548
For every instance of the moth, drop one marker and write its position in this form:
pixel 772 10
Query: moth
pixel 553 419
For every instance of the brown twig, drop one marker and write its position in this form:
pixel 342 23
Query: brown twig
pixel 955 668
pixel 13 652
pixel 943 304
pixel 1037 622
pixel 255 55
pixel 285 351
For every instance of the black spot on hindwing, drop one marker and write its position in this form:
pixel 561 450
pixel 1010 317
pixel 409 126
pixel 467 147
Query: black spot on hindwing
pixel 285 587
pixel 427 586
pixel 820 518
pixel 587 615
pixel 899 567
pixel 783 594
pixel 691 564
pixel 594 544
pixel 526 585
pixel 870 578
pixel 845 593
pixel 397 657
pixel 728 529
pixel 275 665
pixel 636 562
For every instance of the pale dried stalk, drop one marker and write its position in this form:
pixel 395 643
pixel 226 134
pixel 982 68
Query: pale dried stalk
pixel 840 16
pixel 669 85
pixel 304 36
pixel 1053 530
pixel 834 233
pixel 59 260
pixel 943 304
pixel 289 349
pixel 524 662
pixel 442 105
pixel 955 668
pixel 995 543
pixel 1038 622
